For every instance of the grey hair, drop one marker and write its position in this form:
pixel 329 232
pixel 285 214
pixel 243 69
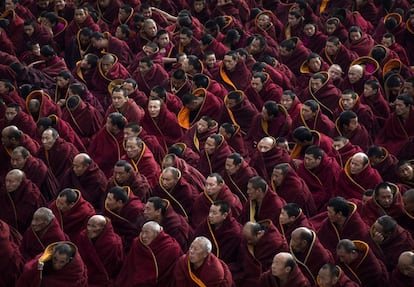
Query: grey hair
pixel 207 246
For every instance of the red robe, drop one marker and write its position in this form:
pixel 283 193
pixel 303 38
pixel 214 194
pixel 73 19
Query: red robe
pixel 346 152
pixel 212 273
pixel 319 139
pixel 300 221
pixel 74 274
pixel 131 111
pixel 156 76
pixel 136 182
pixel 354 185
pixel 320 123
pixel 241 114
pixel 362 46
pixel 20 204
pixel 157 261
pixel 47 106
pixel 295 279
pixel 210 163
pixel 379 106
pixel 67 133
pixel 202 203
pixel 313 258
pixel 34 243
pixel 398 279
pixel 103 256
pixel 23 121
pixel 269 92
pixel 75 219
pixel 343 57
pixel 238 79
pixel 194 140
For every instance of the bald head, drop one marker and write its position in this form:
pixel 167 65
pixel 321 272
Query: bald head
pixel 266 144
pixel 358 162
pixel 41 219
pixel 95 226
pixel 301 238
pixel 81 162
pixel 283 263
pixel 406 263
pixel 14 179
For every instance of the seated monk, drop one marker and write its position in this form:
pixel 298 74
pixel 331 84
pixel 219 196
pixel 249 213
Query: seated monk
pixel 292 188
pixel 360 264
pixel 407 219
pixel 125 175
pixel 101 250
pixel 174 224
pixel 286 272
pixel 16 116
pixel 263 89
pixel 21 199
pixel 124 209
pixel 309 252
pixel 384 162
pixel 331 275
pixel 156 252
pixel 293 54
pixel 39 104
pixel 44 230
pixel 60 264
pixel 148 74
pixel 88 178
pixel 402 274
pixel 71 211
pixel 292 217
pixel 35 170
pixel 215 189
pixel 200 266
pixel 344 150
pixel 214 155
pixel 234 138
pixel 356 177
pixel 196 136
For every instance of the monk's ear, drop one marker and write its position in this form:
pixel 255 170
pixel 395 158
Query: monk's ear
pixel 288 269
pixel 225 214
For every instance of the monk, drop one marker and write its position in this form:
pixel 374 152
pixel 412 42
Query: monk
pixel 156 251
pixel 88 178
pixel 384 162
pixel 124 105
pixel 111 44
pixel 43 231
pixel 195 137
pixel 263 89
pixel 60 264
pixel 15 116
pixel 304 137
pixel 215 189
pixel 35 170
pixel 292 217
pixel 332 275
pixel 21 198
pixel 403 274
pixel 337 53
pixel 106 145
pixel 214 155
pixel 148 74
pixel 101 250
pixel 308 252
pixel 344 150
pixel 71 211
pixel 293 54
pixel 201 267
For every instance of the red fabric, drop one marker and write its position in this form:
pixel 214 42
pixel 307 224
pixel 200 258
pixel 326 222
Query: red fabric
pixel 34 243
pixel 315 256
pixel 214 162
pixel 155 76
pixel 320 123
pixel 294 189
pixel 66 132
pixel 47 106
pixel 239 78
pixel 362 46
pixel 270 92
pixel 359 137
pixel 152 143
pixel 343 58
pixel 241 114
pixel 22 120
pixel 136 182
pixel 12 261
pixel 73 28
pixel 346 152
pixel 213 273
pixel 20 205
pixel 74 274
pixel 300 221
pixel 354 185
pixel 294 279
pixel 194 140
pixel 75 219
pixel 315 43
pixel 203 202
pixel 119 48
pixel 269 209
pixel 319 139
pixel 131 111
pixel 379 106
pixel 53 66
pixel 321 180
pixel 298 56
pixel 106 149
pixel 398 279
pixel 103 256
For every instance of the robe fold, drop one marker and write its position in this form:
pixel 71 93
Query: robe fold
pixel 210 163
pixel 295 279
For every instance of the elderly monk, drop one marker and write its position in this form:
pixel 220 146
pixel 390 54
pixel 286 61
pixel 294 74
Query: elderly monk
pixel 177 190
pixel 356 177
pixel 156 252
pixel 215 189
pixel 174 224
pixel 88 178
pixel 71 211
pixel 56 153
pixel 59 265
pixel 20 198
pixel 331 275
pixel 284 272
pixel 309 252
pixel 142 160
pixel 35 170
pixel 292 217
pixel 292 188
pixel 263 202
pixel 261 242
pixel 43 231
pixel 101 250
pixel 403 274
pixel 12 261
pixel 344 150
pixel 124 209
pixel 125 175
pixel 360 264
pixel 237 173
pixel 200 267
pixel 106 145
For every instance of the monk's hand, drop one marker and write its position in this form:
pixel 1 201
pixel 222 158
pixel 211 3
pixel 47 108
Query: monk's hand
pixel 378 237
pixel 40 265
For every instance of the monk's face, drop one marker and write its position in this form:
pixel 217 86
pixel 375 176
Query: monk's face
pixel 315 64
pixel 348 102
pixel 210 60
pixel 310 162
pixel 13 182
pixel 185 39
pixel 104 3
pixel 10 114
pixel 119 99
pixel 229 63
pixel 385 197
pixel 62 82
pixel 210 146
pixel 279 267
pixel 121 175
pixel 163 40
pixel 168 180
pixel 150 28
pixel 17 160
pixel 325 279
pixel 309 30
pixel 154 108
pixel 39 222
pixel 106 64
pixel 355 36
pixel 315 84
pixel 231 167
pixel 212 187
pixel 406 172
pixel 265 145
pixel 80 16
pixel 369 91
pixel 357 164
pixel 263 21
pixel 215 216
pixel 196 253
pixel 252 192
pixel 59 261
pixel 408 88
pixel 286 101
pixel 284 217
pixel 256 84
pixel 331 49
pixel 408 205
pixel 78 165
pixel 277 177
pixel 133 149
pixel 202 126
pixel 147 235
pixel 307 113
pixel 297 243
pixel 150 213
pixel 354 75
pixel 9 5
pixel 94 228
pixel 62 204
pixel 334 73
pixel 401 109
pixel 48 140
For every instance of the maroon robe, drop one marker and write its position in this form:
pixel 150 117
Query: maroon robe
pixel 75 219
pixel 319 139
pixel 47 106
pixel 241 114
pixel 22 121
pixel 300 221
pixel 136 181
pixel 346 152
pixel 152 143
pixel 294 279
pixel 398 279
pixel 237 182
pixel 298 56
pixel 238 79
pixel 34 243
pixel 156 76
pixel 379 106
pixel 20 204
pixel 67 133
pixel 315 256
pixel 106 149
pixel 73 28
pixel 359 137
pixel 269 92
pixel 203 202
pixel 362 46
pixel 59 158
pixel 320 123
pixel 343 57
pixel 194 140
pixel 213 273
pixel 269 208
pixel 214 163
pixel 157 261
pixel 74 274
pixel 316 42
pixel 103 256
pixel 131 111
pixel 354 185
pixel 294 189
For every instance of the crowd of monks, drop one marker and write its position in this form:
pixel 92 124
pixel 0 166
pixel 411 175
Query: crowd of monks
pixel 207 143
